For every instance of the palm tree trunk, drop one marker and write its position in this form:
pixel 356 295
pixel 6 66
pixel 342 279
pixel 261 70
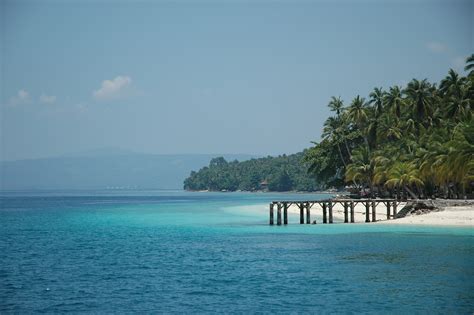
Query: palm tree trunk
pixel 367 144
pixel 342 157
pixel 412 194
pixel 347 149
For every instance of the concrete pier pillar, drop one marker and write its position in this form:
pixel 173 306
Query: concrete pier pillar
pixel 271 213
pixel 352 211
pixel 308 214
pixel 374 211
pixel 279 214
pixel 330 211
pixel 388 210
pixel 394 209
pixel 325 216
pixel 367 211
pixel 346 213
pixel 301 206
pixel 285 213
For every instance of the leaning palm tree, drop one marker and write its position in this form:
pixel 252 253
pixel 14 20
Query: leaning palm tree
pixel 337 105
pixel 403 175
pixel 332 133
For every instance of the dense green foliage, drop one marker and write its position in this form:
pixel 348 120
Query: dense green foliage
pixel 417 140
pixel 282 173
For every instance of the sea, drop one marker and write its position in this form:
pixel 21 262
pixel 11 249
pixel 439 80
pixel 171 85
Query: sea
pixel 201 252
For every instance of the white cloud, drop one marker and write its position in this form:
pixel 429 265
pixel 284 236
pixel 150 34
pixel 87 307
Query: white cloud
pixel 436 47
pixel 22 97
pixel 47 99
pixel 113 89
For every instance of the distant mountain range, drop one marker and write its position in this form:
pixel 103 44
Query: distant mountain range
pixel 105 169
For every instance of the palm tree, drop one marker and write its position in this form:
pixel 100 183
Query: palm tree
pixel 381 167
pixel 332 133
pixel 417 140
pixel 361 168
pixel 357 111
pixel 336 105
pixel 394 100
pixel 389 129
pixel 383 159
pixel 451 85
pixel 458 107
pixel 357 114
pixel 460 157
pixel 403 175
pixel 420 94
pixel 470 65
pixel 371 133
pixel 456 96
pixel 377 98
pixel 430 159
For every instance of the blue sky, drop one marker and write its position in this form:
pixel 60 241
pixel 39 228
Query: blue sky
pixel 207 77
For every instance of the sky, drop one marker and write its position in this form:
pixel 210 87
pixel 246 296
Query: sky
pixel 176 77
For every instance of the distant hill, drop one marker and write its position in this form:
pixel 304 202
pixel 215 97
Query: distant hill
pixel 105 169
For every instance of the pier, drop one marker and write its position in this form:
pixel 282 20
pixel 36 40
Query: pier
pixel 327 208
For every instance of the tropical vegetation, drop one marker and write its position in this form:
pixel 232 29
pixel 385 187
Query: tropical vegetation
pixel 416 140
pixel 282 173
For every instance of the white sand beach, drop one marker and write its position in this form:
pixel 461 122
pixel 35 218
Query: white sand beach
pixel 448 216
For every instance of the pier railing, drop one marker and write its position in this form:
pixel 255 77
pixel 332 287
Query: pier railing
pixel 327 207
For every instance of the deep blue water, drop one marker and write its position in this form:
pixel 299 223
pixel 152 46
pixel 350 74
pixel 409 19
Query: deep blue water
pixel 181 252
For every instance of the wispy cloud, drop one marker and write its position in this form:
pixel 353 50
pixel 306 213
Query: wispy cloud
pixel 22 97
pixel 113 89
pixel 47 99
pixel 453 59
pixel 436 47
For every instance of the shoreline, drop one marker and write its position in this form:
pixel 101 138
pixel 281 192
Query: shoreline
pixel 449 216
pixel 324 192
pixel 452 216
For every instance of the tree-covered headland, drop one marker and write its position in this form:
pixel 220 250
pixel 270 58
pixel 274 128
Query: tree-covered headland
pixel 416 140
pixel 282 173
pixel 413 141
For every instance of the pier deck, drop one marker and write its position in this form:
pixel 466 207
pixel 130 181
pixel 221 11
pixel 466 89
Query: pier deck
pixel 327 205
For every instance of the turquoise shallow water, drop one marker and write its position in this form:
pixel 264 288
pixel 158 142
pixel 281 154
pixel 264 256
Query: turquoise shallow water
pixel 214 252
